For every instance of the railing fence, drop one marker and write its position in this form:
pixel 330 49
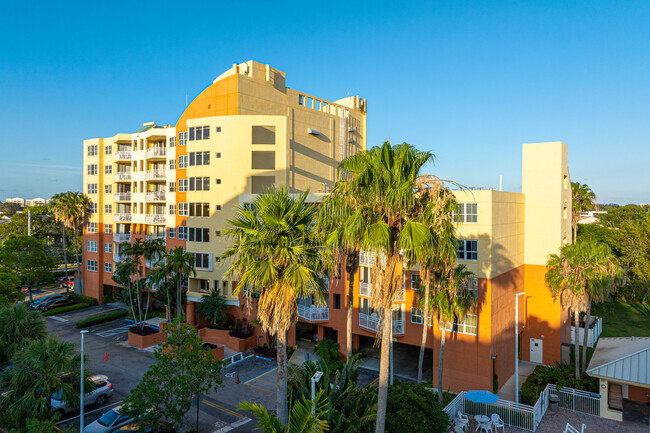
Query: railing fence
pixel 576 400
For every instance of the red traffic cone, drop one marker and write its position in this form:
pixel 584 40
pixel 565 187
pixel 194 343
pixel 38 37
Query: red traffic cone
pixel 237 381
pixel 105 356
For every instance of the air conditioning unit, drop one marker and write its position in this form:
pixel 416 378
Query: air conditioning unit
pixel 350 139
pixel 351 129
pixel 313 131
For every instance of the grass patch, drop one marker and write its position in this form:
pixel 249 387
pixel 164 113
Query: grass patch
pixel 590 352
pixel 103 318
pixel 65 309
pixel 621 319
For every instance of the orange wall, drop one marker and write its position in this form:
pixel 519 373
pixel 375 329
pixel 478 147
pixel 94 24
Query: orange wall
pixel 636 393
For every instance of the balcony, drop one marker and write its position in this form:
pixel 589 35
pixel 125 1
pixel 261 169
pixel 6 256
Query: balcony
pixel 400 296
pixel 121 237
pixel 158 236
pixel 156 175
pixel 367 258
pixel 122 217
pixel 155 218
pixel 122 175
pixel 365 289
pixel 122 196
pixel 117 258
pixel 156 152
pixel 124 155
pixel 155 196
pixel 313 314
pixel 372 323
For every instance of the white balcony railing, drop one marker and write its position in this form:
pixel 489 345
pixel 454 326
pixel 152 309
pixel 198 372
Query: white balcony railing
pixel 367 258
pixel 313 314
pixel 122 217
pixel 123 155
pixel 153 152
pixel 372 323
pixel 398 327
pixel 159 236
pixel 117 258
pixel 155 196
pixel 122 175
pixel 400 296
pixel 155 174
pixel 365 289
pixel 121 237
pixel 155 219
pixel 123 196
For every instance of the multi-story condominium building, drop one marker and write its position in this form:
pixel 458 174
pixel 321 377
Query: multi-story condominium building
pixel 246 132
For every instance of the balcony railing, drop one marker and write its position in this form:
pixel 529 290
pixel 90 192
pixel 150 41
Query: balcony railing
pixel 399 296
pixel 155 196
pixel 155 219
pixel 159 236
pixel 122 217
pixel 155 174
pixel 123 155
pixel 367 258
pixel 117 258
pixel 123 196
pixel 122 175
pixel 121 237
pixel 153 152
pixel 313 314
pixel 365 289
pixel 372 323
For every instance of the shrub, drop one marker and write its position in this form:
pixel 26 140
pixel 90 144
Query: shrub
pixel 411 408
pixel 103 318
pixel 84 299
pixel 560 375
pixel 243 329
pixel 328 351
pixel 65 309
pixel 265 350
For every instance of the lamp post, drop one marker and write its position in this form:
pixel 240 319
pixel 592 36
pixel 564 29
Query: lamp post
pixel 314 379
pixel 517 345
pixel 81 396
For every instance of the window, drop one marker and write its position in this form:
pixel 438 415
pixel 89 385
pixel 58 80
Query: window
pixel 199 133
pixel 199 158
pixel 108 169
pixel 92 208
pixel 204 285
pixel 565 213
pixel 91 247
pixel 108 189
pixel 217 155
pixel 263 134
pixel 92 150
pixel 92 169
pixel 172 164
pixel 172 141
pixel 92 188
pixel 199 209
pixel 182 161
pixel 108 228
pixel 172 186
pixel 472 285
pixel 301 100
pixel 218 128
pixel 217 181
pixel 217 207
pixel 172 209
pixel 202 260
pixel 108 247
pixel 469 325
pixel 217 233
pixel 108 150
pixel 466 213
pixel 182 185
pixel 92 265
pixel 260 184
pixel 108 208
pixel 108 267
pixel 182 232
pixel 199 184
pixel 337 301
pixel 468 250
pixel 182 138
pixel 199 234
pixel 415 281
pixel 182 210
pixel 172 232
pixel 263 160
pixel 416 316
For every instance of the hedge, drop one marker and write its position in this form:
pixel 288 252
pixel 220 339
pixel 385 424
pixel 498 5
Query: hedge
pixel 103 318
pixel 85 299
pixel 66 309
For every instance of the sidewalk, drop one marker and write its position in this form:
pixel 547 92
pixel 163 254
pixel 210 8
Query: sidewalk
pixel 507 391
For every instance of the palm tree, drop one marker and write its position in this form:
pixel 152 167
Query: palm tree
pixel 123 275
pixel 452 301
pixel 18 325
pixel 179 262
pixel 302 420
pixel 580 270
pixel 276 254
pixel 583 199
pixel 58 205
pixel 213 307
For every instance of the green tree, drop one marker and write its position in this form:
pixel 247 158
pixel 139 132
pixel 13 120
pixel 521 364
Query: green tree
pixel 301 420
pixel 179 263
pixel 59 210
pixel 214 308
pixel 411 409
pixel 18 325
pixel 276 254
pixel 9 291
pixel 580 271
pixel 583 199
pixel 25 257
pixel 9 208
pixel 182 369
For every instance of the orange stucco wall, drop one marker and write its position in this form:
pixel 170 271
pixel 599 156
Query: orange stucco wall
pixel 638 393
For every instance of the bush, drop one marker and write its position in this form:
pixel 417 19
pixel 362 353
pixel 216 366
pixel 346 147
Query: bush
pixel 328 351
pixel 65 309
pixel 101 319
pixel 84 299
pixel 560 375
pixel 243 329
pixel 411 408
pixel 265 350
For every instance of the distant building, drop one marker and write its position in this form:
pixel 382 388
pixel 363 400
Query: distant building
pixel 38 201
pixel 590 217
pixel 17 200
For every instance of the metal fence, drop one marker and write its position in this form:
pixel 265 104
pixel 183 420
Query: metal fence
pixel 576 400
pixel 593 332
pixel 234 358
pixel 513 414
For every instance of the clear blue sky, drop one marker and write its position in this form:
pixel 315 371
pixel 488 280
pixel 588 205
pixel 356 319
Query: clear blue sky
pixel 469 81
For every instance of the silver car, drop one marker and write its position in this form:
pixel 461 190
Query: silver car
pixel 110 421
pixel 103 390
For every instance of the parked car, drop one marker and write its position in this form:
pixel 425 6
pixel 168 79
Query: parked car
pixel 55 303
pixel 139 426
pixel 64 281
pixel 110 421
pixel 37 303
pixel 103 391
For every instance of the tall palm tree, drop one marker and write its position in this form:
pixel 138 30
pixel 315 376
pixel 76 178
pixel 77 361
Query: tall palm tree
pixel 583 199
pixel 123 275
pixel 179 262
pixel 578 272
pixel 58 206
pixel 452 302
pixel 386 181
pixel 276 254
pixel 306 417
pixel 18 325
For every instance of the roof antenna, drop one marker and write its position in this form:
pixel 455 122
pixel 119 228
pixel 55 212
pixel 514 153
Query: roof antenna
pixel 186 100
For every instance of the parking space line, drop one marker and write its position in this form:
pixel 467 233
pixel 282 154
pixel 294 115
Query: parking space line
pixel 60 319
pixel 373 383
pixel 270 383
pixel 86 413
pixel 259 389
pixel 96 313
pixel 233 426
pixel 223 409
pixel 260 375
pixel 114 331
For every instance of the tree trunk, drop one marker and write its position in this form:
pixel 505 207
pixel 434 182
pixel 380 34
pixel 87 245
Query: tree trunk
pixel 178 299
pixel 425 329
pixel 352 267
pixel 585 339
pixel 575 233
pixel 443 338
pixel 30 294
pixel 382 397
pixel 77 281
pixel 282 406
pixel 65 261
pixel 576 346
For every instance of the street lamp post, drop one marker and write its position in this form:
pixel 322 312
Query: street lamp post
pixel 517 345
pixel 81 396
pixel 314 379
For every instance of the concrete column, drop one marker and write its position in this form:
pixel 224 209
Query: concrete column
pixel 321 332
pixel 291 336
pixel 190 312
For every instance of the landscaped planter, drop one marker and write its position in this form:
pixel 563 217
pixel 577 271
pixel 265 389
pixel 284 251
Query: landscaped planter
pixel 222 336
pixel 146 338
pixel 217 351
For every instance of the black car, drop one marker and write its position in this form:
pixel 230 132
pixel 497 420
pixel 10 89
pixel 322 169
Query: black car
pixel 36 304
pixel 55 303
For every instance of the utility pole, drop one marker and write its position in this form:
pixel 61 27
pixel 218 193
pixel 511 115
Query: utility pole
pixel 81 396
pixel 517 345
pixel 29 222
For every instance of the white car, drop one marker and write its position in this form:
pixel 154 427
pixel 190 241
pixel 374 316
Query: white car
pixel 110 421
pixel 103 390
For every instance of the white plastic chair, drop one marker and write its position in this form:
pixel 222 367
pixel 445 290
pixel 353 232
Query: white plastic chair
pixel 462 420
pixel 498 422
pixel 486 426
pixel 458 429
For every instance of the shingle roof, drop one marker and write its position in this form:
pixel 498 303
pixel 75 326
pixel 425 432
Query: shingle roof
pixel 626 359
